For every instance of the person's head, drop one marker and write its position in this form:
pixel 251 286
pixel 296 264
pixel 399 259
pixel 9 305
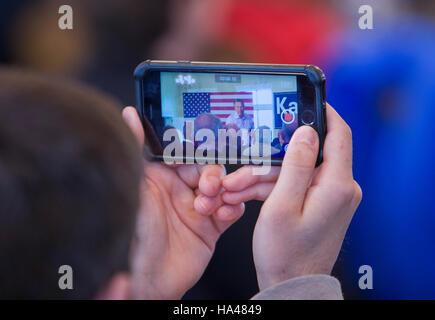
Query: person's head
pixel 239 107
pixel 284 136
pixel 233 126
pixel 207 121
pixel 69 189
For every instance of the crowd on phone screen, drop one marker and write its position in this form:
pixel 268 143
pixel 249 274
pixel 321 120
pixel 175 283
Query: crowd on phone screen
pixel 242 138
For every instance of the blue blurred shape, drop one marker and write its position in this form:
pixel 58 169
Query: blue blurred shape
pixel 383 85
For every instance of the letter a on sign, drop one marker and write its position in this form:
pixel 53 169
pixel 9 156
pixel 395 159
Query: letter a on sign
pixel 285 108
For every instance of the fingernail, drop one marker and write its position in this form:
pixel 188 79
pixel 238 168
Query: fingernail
pixel 306 134
pixel 229 211
pixel 212 180
pixel 226 213
pixel 201 202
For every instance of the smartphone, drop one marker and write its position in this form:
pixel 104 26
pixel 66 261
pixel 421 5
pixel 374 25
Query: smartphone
pixel 227 113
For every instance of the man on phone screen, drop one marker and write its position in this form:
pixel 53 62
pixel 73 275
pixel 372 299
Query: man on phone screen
pixel 239 118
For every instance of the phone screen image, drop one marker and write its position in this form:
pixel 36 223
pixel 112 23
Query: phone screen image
pixel 228 116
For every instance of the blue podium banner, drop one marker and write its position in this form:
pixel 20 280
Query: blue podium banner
pixel 285 107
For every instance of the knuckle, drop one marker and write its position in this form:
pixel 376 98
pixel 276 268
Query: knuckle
pixel 347 131
pixel 345 191
pixel 357 193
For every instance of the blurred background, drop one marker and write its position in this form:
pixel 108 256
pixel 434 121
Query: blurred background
pixel 381 81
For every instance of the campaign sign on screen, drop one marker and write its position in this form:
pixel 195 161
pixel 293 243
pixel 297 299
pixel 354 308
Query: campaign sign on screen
pixel 285 108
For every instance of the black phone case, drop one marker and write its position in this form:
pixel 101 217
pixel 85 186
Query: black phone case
pixel 314 74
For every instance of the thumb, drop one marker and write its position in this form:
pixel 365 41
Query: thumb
pixel 297 168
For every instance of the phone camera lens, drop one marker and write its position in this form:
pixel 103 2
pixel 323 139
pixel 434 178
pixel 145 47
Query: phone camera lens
pixel 308 117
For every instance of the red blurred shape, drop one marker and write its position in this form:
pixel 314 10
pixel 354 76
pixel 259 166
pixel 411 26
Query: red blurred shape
pixel 280 31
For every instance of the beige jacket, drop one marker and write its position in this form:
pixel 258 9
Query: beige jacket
pixel 312 287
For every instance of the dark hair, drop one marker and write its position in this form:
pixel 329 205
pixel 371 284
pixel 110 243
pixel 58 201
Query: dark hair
pixel 241 101
pixel 207 121
pixel 69 185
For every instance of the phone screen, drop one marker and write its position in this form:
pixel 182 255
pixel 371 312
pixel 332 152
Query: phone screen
pixel 228 117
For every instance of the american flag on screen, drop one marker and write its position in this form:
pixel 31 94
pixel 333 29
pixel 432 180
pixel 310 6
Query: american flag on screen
pixel 220 104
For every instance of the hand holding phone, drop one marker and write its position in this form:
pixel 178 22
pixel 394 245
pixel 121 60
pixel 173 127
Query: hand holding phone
pixel 180 218
pixel 307 210
pixel 228 113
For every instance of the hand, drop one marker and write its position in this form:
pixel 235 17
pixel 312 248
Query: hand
pixel 307 211
pixel 180 219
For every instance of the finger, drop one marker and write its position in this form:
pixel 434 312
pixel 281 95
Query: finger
pixel 244 178
pixel 189 173
pixel 228 214
pixel 131 118
pixel 206 205
pixel 210 179
pixel 297 168
pixel 258 191
pixel 337 150
pixel 192 173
